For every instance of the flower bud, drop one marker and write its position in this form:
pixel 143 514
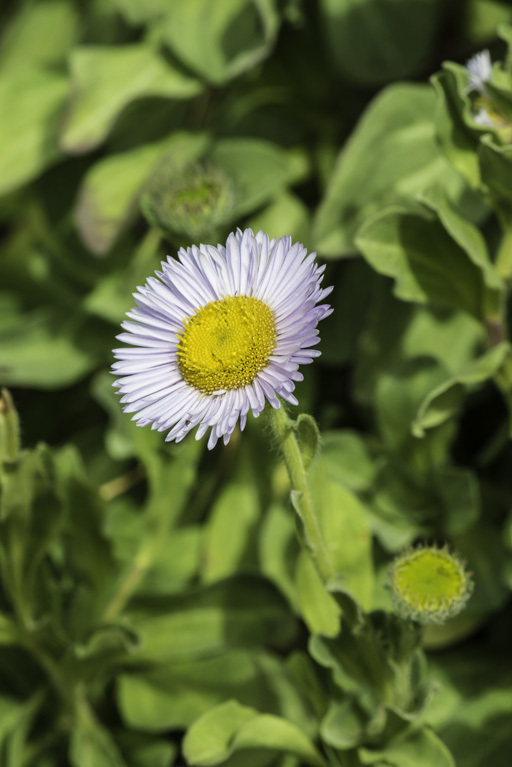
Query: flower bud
pixel 429 584
pixel 189 203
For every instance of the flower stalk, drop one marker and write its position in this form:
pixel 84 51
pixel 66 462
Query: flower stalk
pixel 285 434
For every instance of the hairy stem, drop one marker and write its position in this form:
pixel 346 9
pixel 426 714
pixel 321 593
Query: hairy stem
pixel 313 541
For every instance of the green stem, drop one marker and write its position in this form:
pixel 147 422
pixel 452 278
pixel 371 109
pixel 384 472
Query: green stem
pixel 120 485
pixel 144 559
pixel 284 432
pixel 49 665
pixel 128 584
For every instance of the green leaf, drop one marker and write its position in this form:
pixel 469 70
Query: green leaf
pixel 38 349
pixel 16 722
pixel 177 563
pixel 457 132
pixel 279 548
pixel 470 709
pixel 8 631
pixel 347 459
pixel 375 41
pixel 350 608
pixel 136 12
pixel 495 168
pixel 398 505
pixel 317 607
pixel 123 438
pixel 39 34
pixel 171 476
pixel 343 726
pixel 219 41
pixel 425 262
pixel 395 330
pixel 230 727
pixel 31 102
pixel 91 744
pixel 444 401
pixel 244 611
pixel 259 169
pixel 31 514
pixel 174 695
pixel 105 80
pixel 379 663
pixel 391 156
pixel 399 393
pixel 469 238
pixel 88 552
pixel 142 750
pixel 346 530
pixel 229 532
pixel 417 747
pixel 108 194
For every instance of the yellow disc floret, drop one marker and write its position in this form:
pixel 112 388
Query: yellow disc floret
pixel 226 343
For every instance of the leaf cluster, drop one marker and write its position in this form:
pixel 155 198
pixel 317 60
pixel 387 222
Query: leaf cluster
pixel 156 608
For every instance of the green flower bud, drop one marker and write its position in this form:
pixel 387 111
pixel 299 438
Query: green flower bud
pixel 189 203
pixel 9 428
pixel 429 584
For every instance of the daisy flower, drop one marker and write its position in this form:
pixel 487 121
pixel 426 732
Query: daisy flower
pixel 219 333
pixel 479 68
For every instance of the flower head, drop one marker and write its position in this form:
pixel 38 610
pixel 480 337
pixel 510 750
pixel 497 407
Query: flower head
pixel 429 584
pixel 479 68
pixel 218 333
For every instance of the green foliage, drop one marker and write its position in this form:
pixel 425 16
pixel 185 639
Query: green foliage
pixel 375 42
pixel 164 605
pixel 105 80
pixel 231 727
pixel 391 157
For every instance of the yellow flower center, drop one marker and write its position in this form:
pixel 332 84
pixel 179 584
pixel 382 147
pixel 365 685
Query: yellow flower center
pixel 226 343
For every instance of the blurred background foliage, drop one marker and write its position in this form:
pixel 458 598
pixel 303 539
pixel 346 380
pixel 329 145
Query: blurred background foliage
pixel 155 608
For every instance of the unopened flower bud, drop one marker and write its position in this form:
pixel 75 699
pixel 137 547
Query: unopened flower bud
pixel 190 203
pixel 429 584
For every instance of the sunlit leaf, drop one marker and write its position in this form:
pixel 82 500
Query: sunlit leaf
pixel 105 80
